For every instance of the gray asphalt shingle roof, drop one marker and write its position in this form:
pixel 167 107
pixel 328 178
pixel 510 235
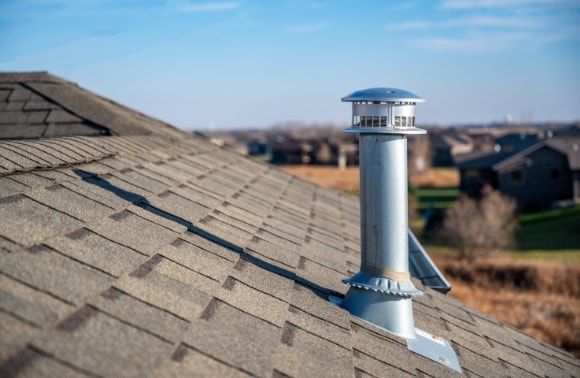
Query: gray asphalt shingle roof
pixel 151 255
pixel 26 113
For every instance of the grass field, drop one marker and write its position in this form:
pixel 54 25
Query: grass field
pixel 438 197
pixel 550 232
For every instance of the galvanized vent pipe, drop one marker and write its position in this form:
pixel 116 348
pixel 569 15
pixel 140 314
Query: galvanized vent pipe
pixel 381 293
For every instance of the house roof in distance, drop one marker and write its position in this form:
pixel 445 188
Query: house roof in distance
pixel 158 253
pixel 569 146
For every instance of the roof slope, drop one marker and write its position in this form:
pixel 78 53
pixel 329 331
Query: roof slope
pixel 40 105
pixel 569 146
pixel 148 255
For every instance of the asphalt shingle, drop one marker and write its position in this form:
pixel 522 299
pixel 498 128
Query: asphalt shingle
pixel 31 363
pixel 197 259
pixel 28 222
pixel 187 361
pixel 53 273
pixel 9 186
pixel 303 354
pixel 88 337
pixel 141 315
pixel 70 202
pixel 14 335
pixel 251 301
pixel 132 231
pixel 96 251
pixel 217 332
pixel 31 305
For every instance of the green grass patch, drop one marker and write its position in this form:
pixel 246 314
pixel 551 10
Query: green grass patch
pixel 439 198
pixel 437 192
pixel 557 229
pixel 550 214
pixel 436 204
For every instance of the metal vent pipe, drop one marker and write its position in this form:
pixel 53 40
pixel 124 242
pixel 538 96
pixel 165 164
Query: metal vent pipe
pixel 381 292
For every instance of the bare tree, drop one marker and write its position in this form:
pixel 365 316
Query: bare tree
pixel 419 155
pixel 323 154
pixel 481 227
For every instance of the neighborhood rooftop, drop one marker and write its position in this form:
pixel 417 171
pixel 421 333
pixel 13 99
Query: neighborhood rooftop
pixel 131 248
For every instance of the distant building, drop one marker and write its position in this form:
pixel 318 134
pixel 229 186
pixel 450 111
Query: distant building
pixel 536 175
pixel 256 147
pixel 446 146
pixel 510 143
pixel 292 152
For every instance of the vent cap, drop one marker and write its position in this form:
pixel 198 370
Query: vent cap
pixel 383 111
pixel 383 95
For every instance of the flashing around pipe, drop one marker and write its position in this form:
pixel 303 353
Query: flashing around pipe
pixel 434 348
pixel 393 313
pixel 376 308
pixel 383 285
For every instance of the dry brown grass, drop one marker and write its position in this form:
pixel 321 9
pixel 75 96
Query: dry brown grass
pixel 538 297
pixel 331 177
pixel 541 298
pixel 436 177
pixel 348 179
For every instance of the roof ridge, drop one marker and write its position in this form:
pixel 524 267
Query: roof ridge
pixel 31 76
pixel 31 155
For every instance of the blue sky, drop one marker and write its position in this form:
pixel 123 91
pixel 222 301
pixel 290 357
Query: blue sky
pixel 228 64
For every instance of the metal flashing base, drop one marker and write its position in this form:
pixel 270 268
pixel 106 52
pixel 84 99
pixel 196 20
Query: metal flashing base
pixel 424 344
pixel 434 348
pixel 383 285
pixel 393 313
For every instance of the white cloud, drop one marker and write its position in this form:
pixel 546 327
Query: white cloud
pixel 473 4
pixel 410 25
pixel 209 7
pixel 470 22
pixel 307 28
pixel 489 43
pixel 406 5
pixel 490 21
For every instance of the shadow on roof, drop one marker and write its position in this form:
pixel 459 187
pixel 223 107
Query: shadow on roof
pixel 143 203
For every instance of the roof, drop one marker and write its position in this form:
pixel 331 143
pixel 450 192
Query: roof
pixel 570 147
pixel 147 254
pixel 40 105
pixel 517 142
pixel 442 140
pixel 486 160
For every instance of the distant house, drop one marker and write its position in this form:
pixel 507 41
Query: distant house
pixel 446 145
pixel 536 176
pixel 292 152
pixel 256 147
pixel 572 131
pixel 511 143
pixel 312 151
